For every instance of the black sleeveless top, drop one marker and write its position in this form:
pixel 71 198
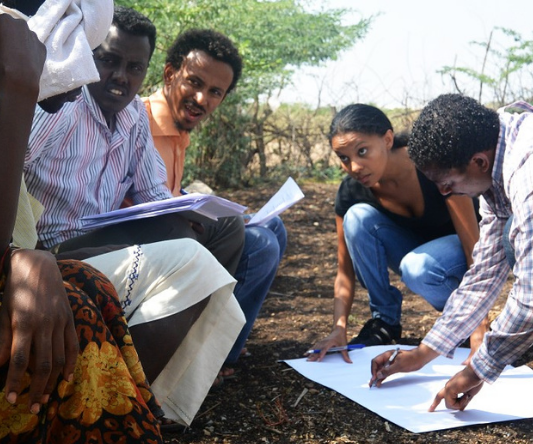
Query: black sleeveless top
pixel 434 223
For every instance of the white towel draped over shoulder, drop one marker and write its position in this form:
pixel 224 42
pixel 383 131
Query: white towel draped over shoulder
pixel 70 30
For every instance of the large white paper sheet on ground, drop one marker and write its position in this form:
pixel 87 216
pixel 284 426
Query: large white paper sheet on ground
pixel 405 398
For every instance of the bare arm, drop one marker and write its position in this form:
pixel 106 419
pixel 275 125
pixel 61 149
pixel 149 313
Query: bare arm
pixel 36 323
pixel 406 361
pixel 21 61
pixel 344 281
pixel 343 297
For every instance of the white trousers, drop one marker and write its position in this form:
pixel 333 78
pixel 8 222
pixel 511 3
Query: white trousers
pixel 161 279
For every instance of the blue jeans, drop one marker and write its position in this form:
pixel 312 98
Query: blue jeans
pixel 375 243
pixel 263 249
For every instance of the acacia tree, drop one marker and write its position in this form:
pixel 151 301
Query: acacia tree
pixel 274 38
pixel 299 132
pixel 505 71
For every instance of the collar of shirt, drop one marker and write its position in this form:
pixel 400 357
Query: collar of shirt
pixel 125 119
pixel 162 123
pixel 509 156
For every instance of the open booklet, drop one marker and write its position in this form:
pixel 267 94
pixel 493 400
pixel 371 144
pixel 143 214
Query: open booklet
pixel 287 195
pixel 203 208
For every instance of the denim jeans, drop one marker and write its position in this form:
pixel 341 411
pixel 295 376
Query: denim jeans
pixel 375 243
pixel 263 249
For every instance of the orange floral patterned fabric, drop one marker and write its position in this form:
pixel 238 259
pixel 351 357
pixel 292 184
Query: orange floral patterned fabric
pixel 109 399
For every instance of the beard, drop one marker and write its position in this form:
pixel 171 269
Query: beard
pixel 180 127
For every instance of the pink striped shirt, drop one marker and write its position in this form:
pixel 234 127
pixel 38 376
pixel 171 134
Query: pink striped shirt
pixel 76 167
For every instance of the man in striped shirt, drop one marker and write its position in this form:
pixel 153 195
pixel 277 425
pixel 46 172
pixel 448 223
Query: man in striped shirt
pixel 98 150
pixel 466 148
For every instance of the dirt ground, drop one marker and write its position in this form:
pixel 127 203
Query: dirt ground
pixel 258 405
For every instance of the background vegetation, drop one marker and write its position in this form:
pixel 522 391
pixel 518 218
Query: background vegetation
pixel 246 139
pixel 505 69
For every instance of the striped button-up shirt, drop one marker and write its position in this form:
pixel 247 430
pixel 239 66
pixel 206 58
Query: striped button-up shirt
pixel 75 166
pixel 511 194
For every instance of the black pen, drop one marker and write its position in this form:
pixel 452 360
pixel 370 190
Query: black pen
pixel 388 364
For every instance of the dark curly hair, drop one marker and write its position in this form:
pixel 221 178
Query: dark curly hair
pixel 28 7
pixel 134 23
pixel 366 119
pixel 450 130
pixel 211 42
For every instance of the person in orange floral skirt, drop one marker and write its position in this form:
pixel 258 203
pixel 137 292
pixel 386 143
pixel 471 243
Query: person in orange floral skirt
pixel 69 372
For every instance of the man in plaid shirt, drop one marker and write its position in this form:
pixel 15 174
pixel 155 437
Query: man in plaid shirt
pixel 466 148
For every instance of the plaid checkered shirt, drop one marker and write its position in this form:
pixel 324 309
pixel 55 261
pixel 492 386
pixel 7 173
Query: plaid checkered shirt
pixel 511 193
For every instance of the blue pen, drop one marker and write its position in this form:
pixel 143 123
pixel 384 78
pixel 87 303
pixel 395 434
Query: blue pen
pixel 337 349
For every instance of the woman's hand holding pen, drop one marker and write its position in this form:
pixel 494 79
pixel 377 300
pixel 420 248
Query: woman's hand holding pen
pixel 337 338
pixel 405 361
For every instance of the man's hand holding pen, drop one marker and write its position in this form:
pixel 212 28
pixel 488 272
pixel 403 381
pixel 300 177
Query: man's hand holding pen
pixel 404 361
pixel 388 363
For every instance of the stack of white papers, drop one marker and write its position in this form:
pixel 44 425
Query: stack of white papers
pixel 198 207
pixel 203 208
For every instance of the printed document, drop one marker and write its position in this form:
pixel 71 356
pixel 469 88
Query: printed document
pixel 203 208
pixel 287 195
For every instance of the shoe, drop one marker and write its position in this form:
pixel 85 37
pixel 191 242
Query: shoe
pixel 227 372
pixel 378 332
pixel 167 425
pixel 245 353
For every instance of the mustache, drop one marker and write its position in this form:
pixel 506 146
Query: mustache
pixel 195 104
